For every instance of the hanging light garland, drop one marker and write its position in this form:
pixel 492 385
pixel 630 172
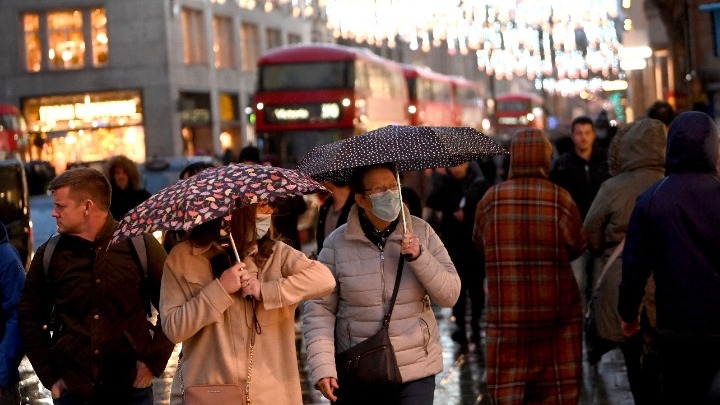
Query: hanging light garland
pixel 565 46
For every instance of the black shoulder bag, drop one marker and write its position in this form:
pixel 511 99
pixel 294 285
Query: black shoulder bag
pixel 372 361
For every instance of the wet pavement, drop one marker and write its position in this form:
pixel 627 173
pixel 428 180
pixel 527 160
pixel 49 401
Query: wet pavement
pixel 462 381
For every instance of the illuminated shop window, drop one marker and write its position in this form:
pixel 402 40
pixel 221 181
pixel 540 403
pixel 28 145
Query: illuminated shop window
pixel 65 40
pixel 223 46
pixel 33 48
pixel 98 19
pixel 249 47
pixel 194 48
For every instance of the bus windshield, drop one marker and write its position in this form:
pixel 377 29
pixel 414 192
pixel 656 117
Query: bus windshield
pixel 516 105
pixel 12 121
pixel 304 76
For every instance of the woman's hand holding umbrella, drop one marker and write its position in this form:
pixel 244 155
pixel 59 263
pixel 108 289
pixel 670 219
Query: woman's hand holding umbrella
pixel 234 278
pixel 410 246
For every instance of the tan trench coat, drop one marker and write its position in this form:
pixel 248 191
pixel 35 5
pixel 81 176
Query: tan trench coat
pixel 215 327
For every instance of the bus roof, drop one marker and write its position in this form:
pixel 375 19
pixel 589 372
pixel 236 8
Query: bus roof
pixel 8 109
pixel 423 71
pixel 315 52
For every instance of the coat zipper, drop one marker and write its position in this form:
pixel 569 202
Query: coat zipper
pixel 382 276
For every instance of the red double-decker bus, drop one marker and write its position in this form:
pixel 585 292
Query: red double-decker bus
pixel 514 111
pixel 13 131
pixel 431 97
pixel 312 94
pixel 469 99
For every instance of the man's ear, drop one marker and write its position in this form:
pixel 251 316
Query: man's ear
pixel 88 205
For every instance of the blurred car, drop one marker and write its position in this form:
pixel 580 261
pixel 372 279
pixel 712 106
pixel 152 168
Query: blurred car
pixel 39 174
pixel 15 206
pixel 160 172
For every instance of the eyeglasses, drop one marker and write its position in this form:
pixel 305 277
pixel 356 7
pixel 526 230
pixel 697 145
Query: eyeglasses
pixel 382 189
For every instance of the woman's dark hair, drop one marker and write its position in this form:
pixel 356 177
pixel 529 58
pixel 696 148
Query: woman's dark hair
pixel 357 186
pixel 123 162
pixel 242 227
pixel 205 233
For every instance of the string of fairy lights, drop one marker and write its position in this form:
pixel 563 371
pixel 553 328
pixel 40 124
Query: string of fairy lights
pixel 565 46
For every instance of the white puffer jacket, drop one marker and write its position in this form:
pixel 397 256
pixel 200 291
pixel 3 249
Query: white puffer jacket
pixel 365 277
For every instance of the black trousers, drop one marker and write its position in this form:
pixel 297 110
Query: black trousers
pixel 688 367
pixel 416 392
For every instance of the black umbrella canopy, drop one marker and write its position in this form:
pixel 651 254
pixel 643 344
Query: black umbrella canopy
pixel 409 147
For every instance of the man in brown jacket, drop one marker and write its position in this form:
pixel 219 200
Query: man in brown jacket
pixel 84 324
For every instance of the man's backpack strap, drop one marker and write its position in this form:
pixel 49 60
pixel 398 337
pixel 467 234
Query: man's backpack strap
pixel 138 242
pixel 49 249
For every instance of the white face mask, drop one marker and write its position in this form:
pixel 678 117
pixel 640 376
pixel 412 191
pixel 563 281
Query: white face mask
pixel 262 224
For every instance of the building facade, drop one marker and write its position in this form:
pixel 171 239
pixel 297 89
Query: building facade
pixel 141 78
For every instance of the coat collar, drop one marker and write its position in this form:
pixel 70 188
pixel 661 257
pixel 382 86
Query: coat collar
pixel 355 232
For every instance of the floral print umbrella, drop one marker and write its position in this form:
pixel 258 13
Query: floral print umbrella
pixel 211 194
pixel 409 147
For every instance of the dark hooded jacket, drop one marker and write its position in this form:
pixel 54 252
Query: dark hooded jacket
pixel 12 277
pixel 580 177
pixel 673 235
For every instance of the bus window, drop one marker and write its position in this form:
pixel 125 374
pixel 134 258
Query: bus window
pixel 304 76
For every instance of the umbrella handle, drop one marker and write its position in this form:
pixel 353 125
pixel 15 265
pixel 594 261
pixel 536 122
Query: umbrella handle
pixel 402 209
pixel 237 256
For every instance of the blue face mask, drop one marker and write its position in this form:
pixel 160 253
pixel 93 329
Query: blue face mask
pixel 387 205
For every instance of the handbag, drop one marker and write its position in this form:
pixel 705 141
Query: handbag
pixel 217 394
pixel 597 346
pixel 213 394
pixel 372 361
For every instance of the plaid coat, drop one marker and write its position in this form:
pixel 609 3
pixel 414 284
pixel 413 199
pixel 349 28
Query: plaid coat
pixel 530 230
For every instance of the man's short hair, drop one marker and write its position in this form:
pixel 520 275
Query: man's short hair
pixel 85 184
pixel 582 120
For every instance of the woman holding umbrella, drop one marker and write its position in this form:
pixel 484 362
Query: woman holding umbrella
pixel 363 255
pixel 228 339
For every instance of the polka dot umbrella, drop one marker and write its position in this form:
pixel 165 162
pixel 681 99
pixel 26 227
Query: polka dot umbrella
pixel 212 194
pixel 409 147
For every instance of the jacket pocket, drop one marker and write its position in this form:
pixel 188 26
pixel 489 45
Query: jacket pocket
pixel 197 280
pixel 428 325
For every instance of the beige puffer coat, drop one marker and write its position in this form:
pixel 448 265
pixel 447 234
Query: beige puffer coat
pixel 365 277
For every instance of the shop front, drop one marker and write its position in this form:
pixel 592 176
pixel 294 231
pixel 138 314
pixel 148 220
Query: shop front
pixel 83 128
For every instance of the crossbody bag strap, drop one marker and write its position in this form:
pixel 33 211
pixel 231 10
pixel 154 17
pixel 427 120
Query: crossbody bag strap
pixel 401 262
pixel 609 262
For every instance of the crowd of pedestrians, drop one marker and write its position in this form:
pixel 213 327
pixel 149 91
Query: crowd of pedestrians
pixel 620 226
